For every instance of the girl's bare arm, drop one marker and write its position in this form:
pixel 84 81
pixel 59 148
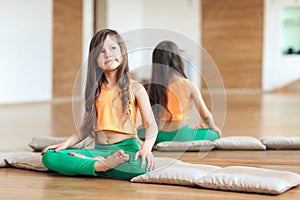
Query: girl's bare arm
pixel 149 124
pixel 202 108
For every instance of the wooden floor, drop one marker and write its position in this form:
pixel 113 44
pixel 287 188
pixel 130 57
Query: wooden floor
pixel 250 114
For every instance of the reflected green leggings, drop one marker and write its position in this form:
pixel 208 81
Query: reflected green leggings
pixel 70 165
pixel 184 134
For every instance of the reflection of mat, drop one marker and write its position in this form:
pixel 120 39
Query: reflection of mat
pixel 233 143
pixel 224 143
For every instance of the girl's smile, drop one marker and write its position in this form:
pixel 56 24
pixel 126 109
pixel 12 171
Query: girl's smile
pixel 108 62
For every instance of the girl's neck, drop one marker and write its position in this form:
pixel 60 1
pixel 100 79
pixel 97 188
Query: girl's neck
pixel 110 80
pixel 175 76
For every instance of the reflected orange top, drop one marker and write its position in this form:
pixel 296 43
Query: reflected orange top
pixel 110 115
pixel 179 103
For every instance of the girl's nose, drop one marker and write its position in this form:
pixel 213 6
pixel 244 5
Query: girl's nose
pixel 108 53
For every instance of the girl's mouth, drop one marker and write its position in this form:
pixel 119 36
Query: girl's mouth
pixel 108 62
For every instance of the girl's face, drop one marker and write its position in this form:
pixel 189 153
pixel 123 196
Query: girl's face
pixel 110 57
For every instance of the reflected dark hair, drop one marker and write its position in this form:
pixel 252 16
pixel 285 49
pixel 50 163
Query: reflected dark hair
pixel 95 77
pixel 166 59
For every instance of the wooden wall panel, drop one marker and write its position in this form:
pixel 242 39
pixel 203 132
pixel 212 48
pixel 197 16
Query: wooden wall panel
pixel 67 45
pixel 232 33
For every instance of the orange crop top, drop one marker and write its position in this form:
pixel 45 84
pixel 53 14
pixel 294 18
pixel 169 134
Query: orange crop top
pixel 179 103
pixel 110 115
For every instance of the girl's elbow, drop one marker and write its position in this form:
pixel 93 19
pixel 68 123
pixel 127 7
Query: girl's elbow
pixel 152 127
pixel 206 117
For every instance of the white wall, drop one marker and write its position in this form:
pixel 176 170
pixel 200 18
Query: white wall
pixel 182 17
pixel 124 15
pixel 25 50
pixel 278 69
pixel 144 23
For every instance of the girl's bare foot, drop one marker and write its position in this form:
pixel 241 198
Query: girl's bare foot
pixel 111 161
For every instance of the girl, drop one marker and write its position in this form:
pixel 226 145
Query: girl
pixel 111 103
pixel 171 95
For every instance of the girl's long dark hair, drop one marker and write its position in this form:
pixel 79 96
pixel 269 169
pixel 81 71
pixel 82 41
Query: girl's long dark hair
pixel 95 77
pixel 166 59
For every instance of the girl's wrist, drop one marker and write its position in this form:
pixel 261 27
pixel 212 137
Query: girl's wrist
pixel 146 147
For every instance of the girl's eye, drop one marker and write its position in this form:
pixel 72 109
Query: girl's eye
pixel 113 48
pixel 102 51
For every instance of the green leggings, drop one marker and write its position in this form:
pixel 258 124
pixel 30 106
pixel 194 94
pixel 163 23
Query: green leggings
pixel 70 165
pixel 184 134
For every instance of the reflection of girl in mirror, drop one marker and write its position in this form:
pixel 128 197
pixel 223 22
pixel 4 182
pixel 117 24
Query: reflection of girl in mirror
pixel 171 96
pixel 111 104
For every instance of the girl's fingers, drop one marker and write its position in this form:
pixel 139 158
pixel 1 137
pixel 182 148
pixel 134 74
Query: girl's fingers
pixel 150 163
pixel 46 149
pixel 142 161
pixel 136 156
pixel 57 149
pixel 148 158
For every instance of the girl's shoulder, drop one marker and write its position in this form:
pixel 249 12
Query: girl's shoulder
pixel 185 83
pixel 178 80
pixel 134 86
pixel 134 83
pixel 192 87
pixel 191 84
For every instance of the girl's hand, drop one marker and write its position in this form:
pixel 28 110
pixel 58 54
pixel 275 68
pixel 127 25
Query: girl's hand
pixel 56 147
pixel 145 155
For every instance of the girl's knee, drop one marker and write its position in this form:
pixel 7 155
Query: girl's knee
pixel 47 158
pixel 213 135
